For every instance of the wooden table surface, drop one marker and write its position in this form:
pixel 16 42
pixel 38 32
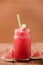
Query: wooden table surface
pixel 6 47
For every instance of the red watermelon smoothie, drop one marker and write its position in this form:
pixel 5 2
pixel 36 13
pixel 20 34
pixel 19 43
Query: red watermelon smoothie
pixel 22 43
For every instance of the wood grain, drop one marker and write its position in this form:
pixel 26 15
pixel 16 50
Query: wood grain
pixel 6 47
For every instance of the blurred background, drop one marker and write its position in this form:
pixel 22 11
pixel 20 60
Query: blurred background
pixel 31 13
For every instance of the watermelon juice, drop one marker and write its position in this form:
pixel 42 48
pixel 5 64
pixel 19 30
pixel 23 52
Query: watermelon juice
pixel 22 44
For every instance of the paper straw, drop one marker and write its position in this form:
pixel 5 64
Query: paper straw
pixel 18 18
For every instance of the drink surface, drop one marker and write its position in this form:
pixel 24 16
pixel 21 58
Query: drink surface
pixel 22 44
